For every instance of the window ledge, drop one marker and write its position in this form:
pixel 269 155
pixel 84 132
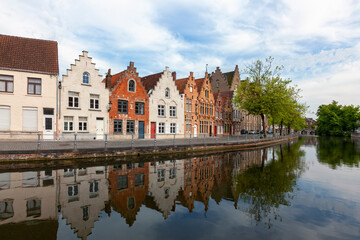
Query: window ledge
pixel 95 110
pixel 173 117
pixel 8 93
pixel 86 84
pixel 33 95
pixel 73 108
pixel 162 116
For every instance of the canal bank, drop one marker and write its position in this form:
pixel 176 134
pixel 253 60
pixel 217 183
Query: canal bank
pixel 141 152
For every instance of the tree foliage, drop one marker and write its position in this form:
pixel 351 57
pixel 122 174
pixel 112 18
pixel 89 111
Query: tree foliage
pixel 266 94
pixel 337 120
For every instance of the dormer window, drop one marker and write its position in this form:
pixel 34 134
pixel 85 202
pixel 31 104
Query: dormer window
pixel 206 93
pixel 86 78
pixel 131 86
pixel 217 84
pixel 167 92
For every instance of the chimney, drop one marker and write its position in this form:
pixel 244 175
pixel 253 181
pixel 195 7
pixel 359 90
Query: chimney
pixel 108 79
pixel 131 64
pixel 174 75
pixel 191 74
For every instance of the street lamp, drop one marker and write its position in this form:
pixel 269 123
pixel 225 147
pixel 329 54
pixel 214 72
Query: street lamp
pixel 109 106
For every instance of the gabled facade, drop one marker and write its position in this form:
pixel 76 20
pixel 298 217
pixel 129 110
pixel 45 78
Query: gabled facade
pixel 83 101
pixel 187 87
pixel 166 115
pixel 219 109
pixel 29 73
pixel 129 112
pixel 206 113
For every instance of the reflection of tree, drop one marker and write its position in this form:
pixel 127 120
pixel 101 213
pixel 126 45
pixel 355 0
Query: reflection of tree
pixel 338 151
pixel 264 188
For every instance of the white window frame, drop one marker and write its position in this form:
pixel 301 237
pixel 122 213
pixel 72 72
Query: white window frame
pixel 86 78
pixel 167 92
pixel 128 87
pixel 172 128
pixel 94 100
pixel 7 82
pixel 83 124
pixel 73 96
pixel 161 110
pixel 68 123
pixel 161 128
pixel 173 111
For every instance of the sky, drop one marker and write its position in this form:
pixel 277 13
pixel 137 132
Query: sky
pixel 317 41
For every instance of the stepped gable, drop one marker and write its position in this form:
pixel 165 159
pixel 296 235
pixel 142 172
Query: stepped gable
pixel 229 77
pixel 199 82
pixel 181 84
pixel 150 81
pixel 19 53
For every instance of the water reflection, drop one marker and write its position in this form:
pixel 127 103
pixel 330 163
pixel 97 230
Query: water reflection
pixel 336 152
pixel 258 184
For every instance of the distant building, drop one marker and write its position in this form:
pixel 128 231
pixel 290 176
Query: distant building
pixel 29 72
pixel 83 101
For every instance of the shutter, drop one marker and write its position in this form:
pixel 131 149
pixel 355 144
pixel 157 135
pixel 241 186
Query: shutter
pixel 30 119
pixel 167 128
pixel 4 118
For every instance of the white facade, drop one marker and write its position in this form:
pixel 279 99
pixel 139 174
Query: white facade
pixel 27 104
pixel 166 107
pixel 83 101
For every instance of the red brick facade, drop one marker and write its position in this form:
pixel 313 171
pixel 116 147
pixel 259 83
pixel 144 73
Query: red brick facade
pixel 130 104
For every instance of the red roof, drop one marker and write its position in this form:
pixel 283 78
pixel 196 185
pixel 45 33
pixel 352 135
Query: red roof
pixel 181 84
pixel 115 78
pixel 150 81
pixel 199 82
pixel 29 54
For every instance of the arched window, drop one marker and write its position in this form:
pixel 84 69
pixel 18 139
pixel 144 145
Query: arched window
pixel 86 78
pixel 167 92
pixel 217 84
pixel 131 87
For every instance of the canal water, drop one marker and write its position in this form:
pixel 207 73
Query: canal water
pixel 306 189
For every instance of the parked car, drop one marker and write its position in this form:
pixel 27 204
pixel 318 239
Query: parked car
pixel 252 132
pixel 244 131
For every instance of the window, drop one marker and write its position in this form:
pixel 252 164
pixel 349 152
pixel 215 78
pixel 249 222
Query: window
pixel 68 123
pixel 34 86
pixel 86 78
pixel 191 89
pixel 206 109
pixel 201 108
pixel 201 126
pixel 118 126
pixel 94 101
pixel 161 128
pixel 139 179
pixel 172 111
pixel 206 130
pixel 131 203
pixel 188 105
pixel 122 106
pixel 122 182
pixel 85 211
pixel 6 83
pixel 4 118
pixel 206 93
pixel 167 92
pixel 82 123
pixel 161 175
pixel 172 173
pixel 30 119
pixel 6 209
pixel 217 84
pixel 94 189
pixel 161 110
pixel 73 100
pixel 130 126
pixel 188 125
pixel 139 108
pixel 173 128
pixel 211 109
pixel 131 86
pixel 33 208
pixel 196 108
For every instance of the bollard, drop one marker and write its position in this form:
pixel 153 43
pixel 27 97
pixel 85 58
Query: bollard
pixel 75 143
pixel 106 141
pixel 174 140
pixel 38 143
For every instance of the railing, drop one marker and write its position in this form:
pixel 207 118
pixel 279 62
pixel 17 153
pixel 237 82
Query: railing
pixel 86 141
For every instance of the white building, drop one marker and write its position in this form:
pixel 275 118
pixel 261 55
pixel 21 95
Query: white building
pixel 166 105
pixel 83 101
pixel 29 72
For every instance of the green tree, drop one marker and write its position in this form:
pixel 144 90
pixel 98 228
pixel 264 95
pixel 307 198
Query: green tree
pixel 337 120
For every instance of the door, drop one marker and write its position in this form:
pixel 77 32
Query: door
pixel 153 129
pixel 195 130
pixel 141 129
pixel 99 128
pixel 215 130
pixel 48 132
pixel 210 129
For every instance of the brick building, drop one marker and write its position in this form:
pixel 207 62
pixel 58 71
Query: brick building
pixel 129 111
pixel 187 87
pixel 205 105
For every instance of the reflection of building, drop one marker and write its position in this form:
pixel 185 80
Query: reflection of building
pixel 166 179
pixel 82 196
pixel 28 199
pixel 128 188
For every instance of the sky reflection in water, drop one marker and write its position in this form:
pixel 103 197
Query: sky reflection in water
pixel 308 189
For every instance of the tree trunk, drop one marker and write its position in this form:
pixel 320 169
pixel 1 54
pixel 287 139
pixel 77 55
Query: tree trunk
pixel 281 127
pixel 281 154
pixel 263 124
pixel 289 128
pixel 273 128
